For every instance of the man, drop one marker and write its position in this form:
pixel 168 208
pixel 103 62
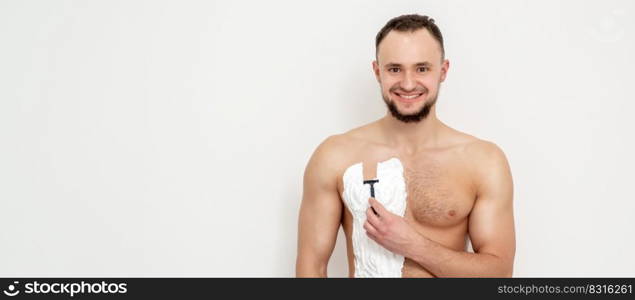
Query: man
pixel 456 186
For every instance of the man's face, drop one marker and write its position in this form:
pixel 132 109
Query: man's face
pixel 410 69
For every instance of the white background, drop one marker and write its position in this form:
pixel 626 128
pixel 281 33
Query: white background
pixel 169 138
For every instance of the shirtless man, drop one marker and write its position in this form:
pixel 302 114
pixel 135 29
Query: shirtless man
pixel 457 185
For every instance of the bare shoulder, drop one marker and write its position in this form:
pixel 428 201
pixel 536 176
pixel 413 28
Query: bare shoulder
pixel 484 160
pixel 335 146
pixel 326 152
pixel 337 151
pixel 346 144
pixel 485 153
pixel 472 148
pixel 490 168
pixel 331 153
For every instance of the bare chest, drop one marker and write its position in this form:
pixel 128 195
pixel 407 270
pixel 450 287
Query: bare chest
pixel 440 191
pixel 439 185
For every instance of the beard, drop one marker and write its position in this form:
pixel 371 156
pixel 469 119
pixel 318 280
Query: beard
pixel 413 117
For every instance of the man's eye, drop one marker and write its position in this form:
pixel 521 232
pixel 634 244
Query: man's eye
pixel 423 69
pixel 393 69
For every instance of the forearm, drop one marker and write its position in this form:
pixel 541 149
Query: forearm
pixel 306 269
pixel 442 261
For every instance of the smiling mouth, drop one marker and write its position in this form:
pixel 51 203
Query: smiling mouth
pixel 409 98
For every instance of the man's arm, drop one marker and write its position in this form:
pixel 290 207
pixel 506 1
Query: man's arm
pixel 320 213
pixel 491 226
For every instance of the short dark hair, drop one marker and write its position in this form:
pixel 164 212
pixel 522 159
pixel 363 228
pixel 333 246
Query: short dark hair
pixel 410 23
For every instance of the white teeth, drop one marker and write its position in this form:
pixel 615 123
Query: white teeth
pixel 410 97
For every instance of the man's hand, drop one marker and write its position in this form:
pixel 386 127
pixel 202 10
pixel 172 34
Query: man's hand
pixel 389 230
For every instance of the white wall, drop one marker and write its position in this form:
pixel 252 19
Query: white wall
pixel 169 138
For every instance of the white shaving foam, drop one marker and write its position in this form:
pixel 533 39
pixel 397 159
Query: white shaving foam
pixel 372 259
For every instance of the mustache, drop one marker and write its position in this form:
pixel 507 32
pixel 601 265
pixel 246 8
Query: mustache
pixel 418 89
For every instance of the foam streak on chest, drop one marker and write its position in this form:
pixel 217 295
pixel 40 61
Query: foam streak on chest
pixel 371 259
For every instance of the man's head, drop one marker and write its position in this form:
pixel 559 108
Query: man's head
pixel 410 66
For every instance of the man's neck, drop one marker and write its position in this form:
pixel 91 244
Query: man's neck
pixel 413 136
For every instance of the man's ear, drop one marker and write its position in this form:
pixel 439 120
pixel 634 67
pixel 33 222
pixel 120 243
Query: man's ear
pixel 376 70
pixel 445 66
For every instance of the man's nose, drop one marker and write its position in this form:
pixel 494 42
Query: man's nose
pixel 409 82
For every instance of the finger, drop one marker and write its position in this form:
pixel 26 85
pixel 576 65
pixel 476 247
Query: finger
pixel 374 211
pixel 377 206
pixel 372 237
pixel 370 229
pixel 372 218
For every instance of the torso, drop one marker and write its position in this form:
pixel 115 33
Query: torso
pixel 439 185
